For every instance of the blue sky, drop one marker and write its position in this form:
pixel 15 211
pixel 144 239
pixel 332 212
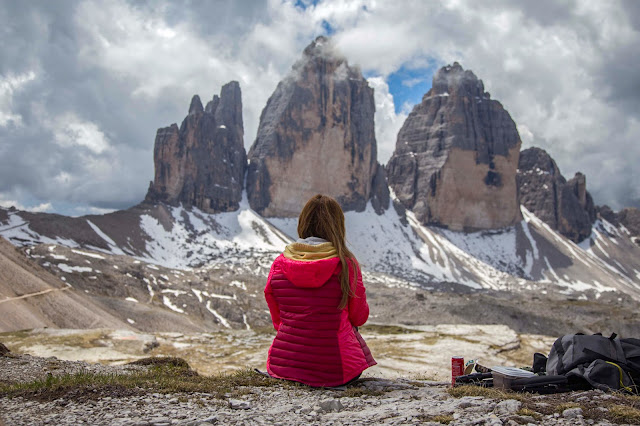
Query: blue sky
pixel 409 85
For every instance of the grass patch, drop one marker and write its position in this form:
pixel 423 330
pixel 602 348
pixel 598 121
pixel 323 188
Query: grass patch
pixel 489 393
pixel 565 406
pixel 529 413
pixel 356 392
pixel 625 414
pixel 387 329
pixel 168 375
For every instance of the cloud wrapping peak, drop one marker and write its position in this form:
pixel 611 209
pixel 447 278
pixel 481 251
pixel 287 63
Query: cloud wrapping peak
pixel 84 85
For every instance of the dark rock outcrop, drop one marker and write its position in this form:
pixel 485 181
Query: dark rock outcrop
pixel 566 206
pixel 629 217
pixel 202 163
pixel 605 212
pixel 456 156
pixel 316 135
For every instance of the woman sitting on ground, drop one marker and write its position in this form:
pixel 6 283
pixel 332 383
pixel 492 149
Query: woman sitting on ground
pixel 316 299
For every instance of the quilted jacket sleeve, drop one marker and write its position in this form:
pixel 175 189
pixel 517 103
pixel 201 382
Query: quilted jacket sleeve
pixel 358 306
pixel 274 309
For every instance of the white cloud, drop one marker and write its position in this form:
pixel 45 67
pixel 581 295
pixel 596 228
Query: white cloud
pixel 40 208
pixel 70 131
pixel 388 123
pixel 9 84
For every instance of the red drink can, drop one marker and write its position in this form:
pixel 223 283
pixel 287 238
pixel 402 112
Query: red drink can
pixel 457 368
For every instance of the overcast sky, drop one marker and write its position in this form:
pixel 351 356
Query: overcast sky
pixel 84 85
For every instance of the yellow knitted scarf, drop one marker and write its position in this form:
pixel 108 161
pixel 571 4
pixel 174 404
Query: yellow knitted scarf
pixel 308 252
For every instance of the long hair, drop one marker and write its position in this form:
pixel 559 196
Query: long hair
pixel 322 217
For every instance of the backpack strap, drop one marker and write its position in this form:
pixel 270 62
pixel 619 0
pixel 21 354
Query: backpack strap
pixel 557 345
pixel 622 373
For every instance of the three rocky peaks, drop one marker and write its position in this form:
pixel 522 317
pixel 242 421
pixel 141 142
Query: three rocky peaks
pixel 457 161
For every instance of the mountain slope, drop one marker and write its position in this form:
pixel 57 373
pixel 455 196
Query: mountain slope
pixel 393 247
pixel 30 297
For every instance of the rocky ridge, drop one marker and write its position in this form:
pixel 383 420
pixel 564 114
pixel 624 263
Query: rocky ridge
pixel 566 206
pixel 628 218
pixel 202 163
pixel 316 135
pixel 456 157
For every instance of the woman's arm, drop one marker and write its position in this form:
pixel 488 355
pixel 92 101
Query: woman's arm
pixel 274 309
pixel 358 306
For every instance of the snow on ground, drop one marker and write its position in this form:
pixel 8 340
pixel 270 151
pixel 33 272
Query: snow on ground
pixel 17 231
pixel 199 238
pixel 220 318
pixel 168 304
pixel 113 247
pixel 70 269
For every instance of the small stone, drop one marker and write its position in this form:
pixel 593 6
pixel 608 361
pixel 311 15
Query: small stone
pixel 331 405
pixel 493 420
pixel 3 350
pixel 572 413
pixel 209 420
pixel 160 421
pixel 507 407
pixel 238 404
pixel 465 404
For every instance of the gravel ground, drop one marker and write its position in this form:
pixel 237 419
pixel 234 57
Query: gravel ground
pixel 394 402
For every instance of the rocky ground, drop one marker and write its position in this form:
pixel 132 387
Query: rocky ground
pixel 158 394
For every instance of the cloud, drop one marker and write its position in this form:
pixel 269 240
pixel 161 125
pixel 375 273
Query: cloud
pixel 84 85
pixel 388 123
pixel 8 86
pixel 40 208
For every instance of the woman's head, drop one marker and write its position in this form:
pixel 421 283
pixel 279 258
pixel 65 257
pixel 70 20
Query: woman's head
pixel 322 217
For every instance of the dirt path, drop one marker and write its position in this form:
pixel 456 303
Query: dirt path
pixel 39 293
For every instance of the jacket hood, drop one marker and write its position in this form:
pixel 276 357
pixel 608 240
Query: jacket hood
pixel 310 262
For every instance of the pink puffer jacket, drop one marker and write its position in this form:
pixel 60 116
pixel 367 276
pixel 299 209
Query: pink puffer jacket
pixel 316 343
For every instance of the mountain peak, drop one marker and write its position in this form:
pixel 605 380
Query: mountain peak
pixel 322 114
pixel 454 79
pixel 196 105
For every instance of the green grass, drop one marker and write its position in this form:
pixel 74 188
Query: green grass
pixel 443 419
pixel 490 393
pixel 386 329
pixel 625 414
pixel 529 413
pixel 164 375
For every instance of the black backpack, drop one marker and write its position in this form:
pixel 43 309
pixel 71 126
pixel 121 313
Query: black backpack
pixel 606 363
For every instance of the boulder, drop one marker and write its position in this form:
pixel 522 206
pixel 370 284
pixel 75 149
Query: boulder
pixel 316 135
pixel 456 156
pixel 202 163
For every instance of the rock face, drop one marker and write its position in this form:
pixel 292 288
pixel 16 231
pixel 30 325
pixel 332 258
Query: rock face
pixel 456 156
pixel 565 206
pixel 316 135
pixel 202 164
pixel 630 218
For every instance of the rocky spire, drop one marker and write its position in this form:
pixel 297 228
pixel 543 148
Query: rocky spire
pixel 202 163
pixel 456 156
pixel 565 206
pixel 316 135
